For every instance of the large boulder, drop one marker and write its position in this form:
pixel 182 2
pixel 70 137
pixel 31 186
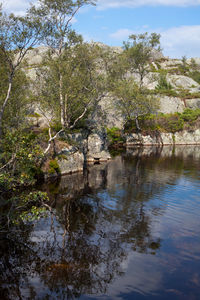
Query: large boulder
pixel 93 146
pixel 187 137
pixel 193 103
pixel 180 81
pixel 70 160
pixel 171 104
pixel 97 148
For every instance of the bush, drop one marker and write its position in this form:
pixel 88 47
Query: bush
pixel 162 82
pixel 53 167
pixel 173 123
pixel 114 135
pixel 190 115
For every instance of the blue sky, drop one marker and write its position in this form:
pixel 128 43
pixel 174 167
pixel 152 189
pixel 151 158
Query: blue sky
pixel 112 21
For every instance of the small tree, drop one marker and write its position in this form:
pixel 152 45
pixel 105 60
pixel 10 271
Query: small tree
pixel 138 51
pixel 83 86
pixel 17 36
pixel 55 17
pixel 134 102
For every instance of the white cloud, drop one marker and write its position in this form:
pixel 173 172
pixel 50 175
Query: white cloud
pixel 180 41
pixel 17 6
pixel 176 41
pixel 121 34
pixel 104 4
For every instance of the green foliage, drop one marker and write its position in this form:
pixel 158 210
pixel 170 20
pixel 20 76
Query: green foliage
pixel 55 17
pixel 71 85
pixel 165 122
pixel 23 156
pixel 56 126
pixel 16 108
pixel 23 208
pixel 53 167
pixel 172 123
pixel 190 115
pixel 114 135
pixel 138 51
pixel 195 75
pixel 134 101
pixel 163 84
pixel 193 64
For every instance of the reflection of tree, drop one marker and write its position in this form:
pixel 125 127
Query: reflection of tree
pixel 16 259
pixel 100 217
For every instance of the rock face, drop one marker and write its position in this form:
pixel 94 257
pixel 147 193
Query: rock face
pixel 171 105
pixel 193 103
pixel 163 138
pixel 71 160
pixel 107 113
pixel 178 81
pixel 93 146
pixel 35 56
pixel 97 148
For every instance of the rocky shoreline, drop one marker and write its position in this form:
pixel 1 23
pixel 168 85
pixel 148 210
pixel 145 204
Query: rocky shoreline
pixel 94 148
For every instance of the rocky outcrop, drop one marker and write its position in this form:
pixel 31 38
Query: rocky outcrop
pixel 163 138
pixel 193 103
pixel 93 147
pixel 70 160
pixel 171 104
pixel 107 114
pixel 97 148
pixel 180 81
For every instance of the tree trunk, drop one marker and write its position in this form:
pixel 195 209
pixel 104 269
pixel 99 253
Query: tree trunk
pixel 4 105
pixel 62 102
pixel 137 124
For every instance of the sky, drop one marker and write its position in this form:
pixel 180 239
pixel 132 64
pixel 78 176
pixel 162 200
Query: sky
pixel 112 21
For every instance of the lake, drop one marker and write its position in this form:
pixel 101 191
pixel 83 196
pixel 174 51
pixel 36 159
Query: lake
pixel 126 229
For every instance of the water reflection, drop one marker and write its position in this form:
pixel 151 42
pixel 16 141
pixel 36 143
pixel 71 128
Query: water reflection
pixel 126 229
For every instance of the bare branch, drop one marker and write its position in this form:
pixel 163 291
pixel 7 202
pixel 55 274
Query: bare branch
pixel 51 139
pixel 9 162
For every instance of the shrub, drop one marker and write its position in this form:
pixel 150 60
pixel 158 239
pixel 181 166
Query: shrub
pixel 162 82
pixel 165 122
pixel 190 115
pixel 53 167
pixel 56 126
pixel 174 123
pixel 114 135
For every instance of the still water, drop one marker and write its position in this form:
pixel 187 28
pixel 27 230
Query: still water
pixel 128 229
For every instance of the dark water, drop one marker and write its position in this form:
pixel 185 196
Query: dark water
pixel 129 229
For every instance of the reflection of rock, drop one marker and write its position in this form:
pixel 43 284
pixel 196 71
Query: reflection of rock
pixel 167 151
pixel 76 184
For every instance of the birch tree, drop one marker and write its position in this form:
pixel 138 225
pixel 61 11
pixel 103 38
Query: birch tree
pixel 56 17
pixel 17 36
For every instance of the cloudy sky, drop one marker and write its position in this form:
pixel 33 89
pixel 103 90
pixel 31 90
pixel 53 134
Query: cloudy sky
pixel 112 21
